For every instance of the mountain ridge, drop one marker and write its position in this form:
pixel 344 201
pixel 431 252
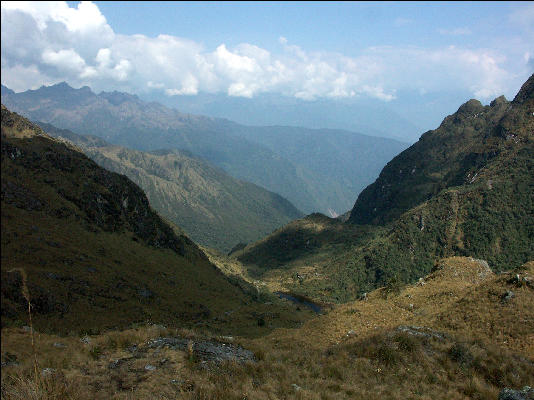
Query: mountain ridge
pixel 471 194
pixel 84 243
pixel 235 148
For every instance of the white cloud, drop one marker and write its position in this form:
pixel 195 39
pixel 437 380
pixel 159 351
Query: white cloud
pixel 44 43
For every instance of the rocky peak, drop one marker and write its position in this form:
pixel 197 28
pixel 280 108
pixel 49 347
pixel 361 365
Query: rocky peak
pixel 498 101
pixel 117 98
pixel 471 107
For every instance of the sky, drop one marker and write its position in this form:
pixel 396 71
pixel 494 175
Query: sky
pixel 306 50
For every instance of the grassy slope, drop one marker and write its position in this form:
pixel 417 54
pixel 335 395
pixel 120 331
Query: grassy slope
pixel 95 255
pixel 490 216
pixel 215 209
pixel 476 344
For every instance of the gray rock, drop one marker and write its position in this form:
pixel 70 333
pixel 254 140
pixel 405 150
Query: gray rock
pixel 86 339
pixel 59 345
pixel 149 367
pixel 206 350
pixel 508 295
pixel 421 331
pixel 146 293
pixel 527 393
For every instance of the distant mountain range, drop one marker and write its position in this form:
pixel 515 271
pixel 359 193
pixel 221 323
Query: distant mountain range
pixel 213 208
pixel 373 117
pixel 307 167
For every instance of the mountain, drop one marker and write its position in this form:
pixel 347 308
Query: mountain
pixel 84 247
pixel 213 208
pixel 374 117
pixel 464 189
pixel 336 164
pixel 304 173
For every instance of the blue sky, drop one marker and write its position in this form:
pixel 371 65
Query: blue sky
pixel 307 50
pixel 345 27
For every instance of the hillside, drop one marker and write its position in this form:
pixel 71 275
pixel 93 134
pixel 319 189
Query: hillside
pixel 301 171
pixel 465 144
pixel 214 209
pixel 475 198
pixel 462 332
pixel 85 245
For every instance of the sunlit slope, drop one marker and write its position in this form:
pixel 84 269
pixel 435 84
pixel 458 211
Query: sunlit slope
pixel 486 213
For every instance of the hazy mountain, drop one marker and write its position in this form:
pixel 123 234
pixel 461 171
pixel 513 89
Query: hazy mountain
pixel 213 208
pixel 465 189
pixel 373 117
pixel 257 155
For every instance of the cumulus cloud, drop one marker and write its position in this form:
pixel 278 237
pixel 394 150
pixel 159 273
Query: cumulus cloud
pixel 45 43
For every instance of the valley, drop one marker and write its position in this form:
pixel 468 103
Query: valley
pixel 425 290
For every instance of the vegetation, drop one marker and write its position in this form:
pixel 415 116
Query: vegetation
pixel 96 256
pixel 450 344
pixel 481 205
pixel 143 312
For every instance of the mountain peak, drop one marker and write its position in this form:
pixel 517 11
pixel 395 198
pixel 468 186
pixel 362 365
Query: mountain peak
pixel 498 101
pixel 471 107
pixel 116 98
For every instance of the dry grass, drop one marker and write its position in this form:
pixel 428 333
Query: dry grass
pixel 318 361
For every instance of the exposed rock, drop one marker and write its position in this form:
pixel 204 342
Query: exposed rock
pixel 146 293
pixel 527 393
pixel 507 296
pixel 206 350
pixel 9 360
pixel 48 371
pixel 421 331
pixel 149 367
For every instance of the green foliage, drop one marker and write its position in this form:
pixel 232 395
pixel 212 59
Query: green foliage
pixel 471 193
pixel 93 260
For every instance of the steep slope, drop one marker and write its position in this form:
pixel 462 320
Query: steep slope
pixel 299 172
pixel 214 209
pixel 449 156
pixel 90 252
pixel 475 199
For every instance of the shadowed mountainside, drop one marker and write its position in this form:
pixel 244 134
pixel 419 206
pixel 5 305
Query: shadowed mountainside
pixel 92 254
